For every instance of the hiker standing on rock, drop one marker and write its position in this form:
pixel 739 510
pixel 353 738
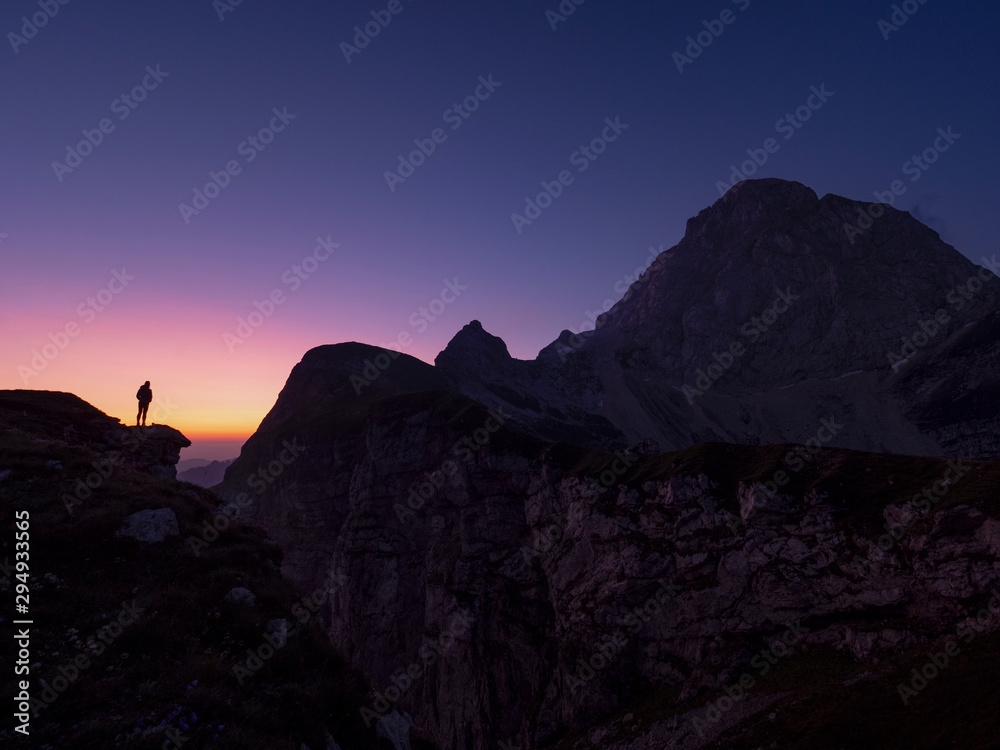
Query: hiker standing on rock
pixel 145 396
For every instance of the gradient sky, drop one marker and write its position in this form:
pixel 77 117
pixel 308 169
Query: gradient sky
pixel 323 176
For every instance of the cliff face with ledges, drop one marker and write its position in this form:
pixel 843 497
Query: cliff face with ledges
pixel 548 564
pixel 155 449
pixel 548 586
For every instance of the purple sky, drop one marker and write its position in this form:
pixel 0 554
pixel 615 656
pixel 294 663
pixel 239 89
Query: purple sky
pixel 548 92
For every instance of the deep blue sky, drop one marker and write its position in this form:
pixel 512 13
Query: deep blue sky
pixel 324 174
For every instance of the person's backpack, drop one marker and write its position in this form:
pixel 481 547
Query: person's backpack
pixel 143 394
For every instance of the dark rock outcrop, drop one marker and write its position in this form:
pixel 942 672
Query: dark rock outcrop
pixel 492 593
pixel 155 449
pixel 132 643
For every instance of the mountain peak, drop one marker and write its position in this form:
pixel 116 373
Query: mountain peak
pixel 474 351
pixel 807 289
pixel 769 188
pixel 756 204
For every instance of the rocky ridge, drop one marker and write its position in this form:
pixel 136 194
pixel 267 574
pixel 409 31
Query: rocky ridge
pixel 675 570
pixel 759 319
pixel 490 531
pixel 154 449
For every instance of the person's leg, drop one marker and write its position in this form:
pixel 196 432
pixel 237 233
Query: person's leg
pixel 145 408
pixel 138 414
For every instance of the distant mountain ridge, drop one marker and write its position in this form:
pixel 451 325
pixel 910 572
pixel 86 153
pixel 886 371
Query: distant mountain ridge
pixel 192 463
pixel 208 475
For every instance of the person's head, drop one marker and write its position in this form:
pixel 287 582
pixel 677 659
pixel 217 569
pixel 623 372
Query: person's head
pixel 146 383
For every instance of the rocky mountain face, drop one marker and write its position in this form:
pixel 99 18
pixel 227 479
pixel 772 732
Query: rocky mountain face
pixel 506 565
pixel 527 592
pixel 767 314
pixel 155 449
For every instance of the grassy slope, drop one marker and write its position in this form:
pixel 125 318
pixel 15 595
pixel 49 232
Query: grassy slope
pixel 143 682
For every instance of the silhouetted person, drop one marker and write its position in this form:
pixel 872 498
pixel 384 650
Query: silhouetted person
pixel 145 396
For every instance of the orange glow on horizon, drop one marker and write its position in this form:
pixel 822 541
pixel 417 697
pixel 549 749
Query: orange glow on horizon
pixel 200 387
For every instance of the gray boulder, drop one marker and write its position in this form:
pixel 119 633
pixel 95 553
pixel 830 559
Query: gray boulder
pixel 240 595
pixel 151 525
